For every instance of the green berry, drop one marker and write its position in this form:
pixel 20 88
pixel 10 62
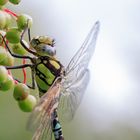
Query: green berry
pixel 8 20
pixel 15 1
pixel 3 54
pixel 8 60
pixel 18 49
pixel 28 104
pixel 3 2
pixel 21 92
pixel 23 20
pixel 8 84
pixel 2 7
pixel 2 19
pixel 3 74
pixel 13 35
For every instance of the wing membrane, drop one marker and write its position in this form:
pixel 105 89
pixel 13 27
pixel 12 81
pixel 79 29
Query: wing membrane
pixel 83 55
pixel 77 76
pixel 71 98
pixel 40 120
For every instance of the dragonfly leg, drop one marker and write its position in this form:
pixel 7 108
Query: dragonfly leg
pixel 29 37
pixel 14 55
pixel 29 34
pixel 21 67
pixel 29 86
pixel 33 80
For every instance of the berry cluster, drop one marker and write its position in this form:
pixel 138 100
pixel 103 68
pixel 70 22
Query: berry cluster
pixel 11 28
pixel 3 2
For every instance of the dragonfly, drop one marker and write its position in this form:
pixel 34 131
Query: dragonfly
pixel 61 89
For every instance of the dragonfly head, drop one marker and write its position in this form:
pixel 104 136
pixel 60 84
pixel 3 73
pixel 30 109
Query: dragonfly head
pixel 43 45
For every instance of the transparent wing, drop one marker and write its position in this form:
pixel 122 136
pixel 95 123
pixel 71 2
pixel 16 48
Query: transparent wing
pixel 40 119
pixel 77 76
pixel 83 55
pixel 71 97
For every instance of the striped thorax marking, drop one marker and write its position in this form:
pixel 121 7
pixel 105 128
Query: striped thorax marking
pixel 47 70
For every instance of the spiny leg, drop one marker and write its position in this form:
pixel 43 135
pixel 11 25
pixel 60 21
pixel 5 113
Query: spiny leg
pixel 29 36
pixel 21 67
pixel 15 55
pixel 33 80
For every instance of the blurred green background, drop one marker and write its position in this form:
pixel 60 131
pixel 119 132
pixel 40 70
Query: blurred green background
pixel 110 108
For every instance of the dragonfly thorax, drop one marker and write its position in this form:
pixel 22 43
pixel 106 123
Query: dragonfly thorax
pixel 47 70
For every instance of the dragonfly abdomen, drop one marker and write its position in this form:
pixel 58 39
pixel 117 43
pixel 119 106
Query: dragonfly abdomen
pixel 56 127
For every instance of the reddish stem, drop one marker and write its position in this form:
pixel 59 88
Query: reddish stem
pixel 24 61
pixel 24 71
pixel 9 72
pixel 10 12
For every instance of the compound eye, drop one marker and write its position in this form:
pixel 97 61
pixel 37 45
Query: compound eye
pixel 33 42
pixel 37 41
pixel 44 49
pixel 49 50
